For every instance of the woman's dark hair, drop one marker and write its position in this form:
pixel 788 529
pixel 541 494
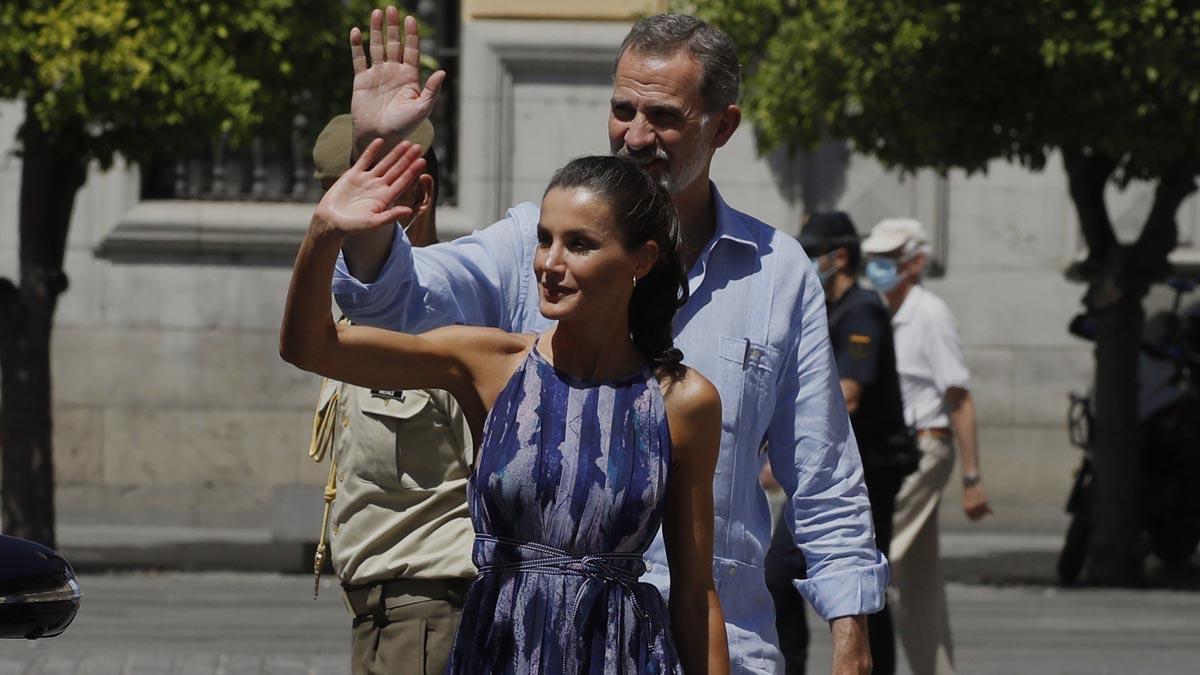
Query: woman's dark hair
pixel 644 212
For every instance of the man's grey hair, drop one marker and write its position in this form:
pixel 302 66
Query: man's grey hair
pixel 664 35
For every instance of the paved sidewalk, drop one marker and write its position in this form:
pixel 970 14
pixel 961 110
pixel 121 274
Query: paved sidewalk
pixel 252 624
pixel 1048 631
pixel 193 624
pixel 182 548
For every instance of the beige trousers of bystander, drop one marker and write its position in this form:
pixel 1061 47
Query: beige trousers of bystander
pixel 918 592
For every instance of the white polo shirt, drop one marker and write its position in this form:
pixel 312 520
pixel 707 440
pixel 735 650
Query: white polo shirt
pixel 929 358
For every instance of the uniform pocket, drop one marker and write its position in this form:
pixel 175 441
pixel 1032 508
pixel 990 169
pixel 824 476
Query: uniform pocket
pixel 403 441
pixel 401 405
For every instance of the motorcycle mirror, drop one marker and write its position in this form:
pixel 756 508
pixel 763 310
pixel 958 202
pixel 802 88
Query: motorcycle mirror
pixel 1181 285
pixel 1083 326
pixel 39 594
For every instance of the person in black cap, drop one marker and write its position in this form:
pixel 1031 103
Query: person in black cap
pixel 860 331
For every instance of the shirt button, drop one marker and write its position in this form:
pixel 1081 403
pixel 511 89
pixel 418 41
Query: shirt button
pixel 732 571
pixel 336 529
pixel 345 420
pixel 341 477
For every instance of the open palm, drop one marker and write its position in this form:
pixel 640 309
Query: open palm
pixel 364 197
pixel 388 100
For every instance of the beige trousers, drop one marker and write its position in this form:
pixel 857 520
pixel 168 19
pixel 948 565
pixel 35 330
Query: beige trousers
pixel 404 633
pixel 918 592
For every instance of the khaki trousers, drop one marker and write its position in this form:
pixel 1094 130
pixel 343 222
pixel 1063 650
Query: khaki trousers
pixel 918 592
pixel 404 630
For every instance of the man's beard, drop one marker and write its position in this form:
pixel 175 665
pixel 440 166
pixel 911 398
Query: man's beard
pixel 674 178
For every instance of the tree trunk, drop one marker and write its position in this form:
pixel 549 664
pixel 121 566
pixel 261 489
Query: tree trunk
pixel 51 174
pixel 1116 550
pixel 25 422
pixel 1119 277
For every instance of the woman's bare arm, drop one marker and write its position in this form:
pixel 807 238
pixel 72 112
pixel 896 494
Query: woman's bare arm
pixel 458 359
pixel 697 623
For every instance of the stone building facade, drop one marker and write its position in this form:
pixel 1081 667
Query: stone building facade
pixel 172 407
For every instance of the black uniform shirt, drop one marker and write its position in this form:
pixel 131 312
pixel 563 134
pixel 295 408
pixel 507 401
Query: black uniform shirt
pixel 860 328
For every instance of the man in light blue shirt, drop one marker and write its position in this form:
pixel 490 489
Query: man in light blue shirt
pixel 755 323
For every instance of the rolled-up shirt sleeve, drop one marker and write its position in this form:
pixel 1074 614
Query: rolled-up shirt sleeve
pixel 475 280
pixel 830 514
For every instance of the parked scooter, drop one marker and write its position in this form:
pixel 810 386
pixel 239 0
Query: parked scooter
pixel 1169 414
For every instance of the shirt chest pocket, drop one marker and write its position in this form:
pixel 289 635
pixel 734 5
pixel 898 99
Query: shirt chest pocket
pixel 747 382
pixel 402 439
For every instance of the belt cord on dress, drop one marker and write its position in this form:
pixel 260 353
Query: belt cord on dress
pixel 601 567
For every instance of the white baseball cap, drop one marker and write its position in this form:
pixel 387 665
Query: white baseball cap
pixel 890 234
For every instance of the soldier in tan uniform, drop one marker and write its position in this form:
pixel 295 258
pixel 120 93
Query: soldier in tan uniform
pixel 401 536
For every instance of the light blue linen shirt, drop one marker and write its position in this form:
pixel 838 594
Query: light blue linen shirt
pixel 755 325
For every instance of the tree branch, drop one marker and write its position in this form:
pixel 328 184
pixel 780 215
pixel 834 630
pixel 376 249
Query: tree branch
pixel 1087 175
pixel 1160 234
pixel 9 301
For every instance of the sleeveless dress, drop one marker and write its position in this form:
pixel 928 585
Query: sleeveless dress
pixel 567 493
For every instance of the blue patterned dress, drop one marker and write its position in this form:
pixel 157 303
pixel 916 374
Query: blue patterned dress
pixel 567 494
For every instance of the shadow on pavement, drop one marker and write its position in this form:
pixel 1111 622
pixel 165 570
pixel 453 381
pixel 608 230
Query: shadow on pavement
pixel 1037 568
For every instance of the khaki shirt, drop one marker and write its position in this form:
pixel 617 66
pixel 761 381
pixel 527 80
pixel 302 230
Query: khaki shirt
pixel 403 460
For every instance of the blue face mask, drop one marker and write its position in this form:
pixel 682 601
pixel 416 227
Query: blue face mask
pixel 883 273
pixel 825 274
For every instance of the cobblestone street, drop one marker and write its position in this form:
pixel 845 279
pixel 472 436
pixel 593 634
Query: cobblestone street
pixel 241 624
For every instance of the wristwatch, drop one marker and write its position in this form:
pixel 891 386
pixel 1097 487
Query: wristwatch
pixel 971 479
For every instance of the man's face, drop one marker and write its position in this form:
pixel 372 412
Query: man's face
pixel 830 263
pixel 894 270
pixel 657 116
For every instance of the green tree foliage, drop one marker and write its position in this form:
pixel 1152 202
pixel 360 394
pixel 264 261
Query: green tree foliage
pixel 140 79
pixel 957 84
pixel 136 76
pixel 1112 85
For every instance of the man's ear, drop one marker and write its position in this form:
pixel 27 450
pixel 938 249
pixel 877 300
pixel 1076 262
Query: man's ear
pixel 727 122
pixel 841 258
pixel 916 265
pixel 423 197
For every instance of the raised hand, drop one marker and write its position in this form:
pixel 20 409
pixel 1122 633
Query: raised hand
pixel 364 197
pixel 388 100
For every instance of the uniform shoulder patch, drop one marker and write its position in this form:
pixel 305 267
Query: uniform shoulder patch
pixel 859 345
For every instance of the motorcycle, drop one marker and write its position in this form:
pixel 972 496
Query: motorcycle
pixel 39 593
pixel 1169 416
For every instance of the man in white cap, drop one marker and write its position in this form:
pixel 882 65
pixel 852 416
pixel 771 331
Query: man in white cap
pixel 938 407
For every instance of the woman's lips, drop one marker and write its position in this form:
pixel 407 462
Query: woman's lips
pixel 556 291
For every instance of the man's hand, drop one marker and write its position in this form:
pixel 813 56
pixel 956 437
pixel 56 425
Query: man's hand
pixel 851 648
pixel 388 100
pixel 975 502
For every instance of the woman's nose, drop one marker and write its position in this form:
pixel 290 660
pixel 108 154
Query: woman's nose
pixel 554 258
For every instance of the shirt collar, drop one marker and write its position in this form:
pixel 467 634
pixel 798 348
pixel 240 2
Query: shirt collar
pixel 731 223
pixel 904 314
